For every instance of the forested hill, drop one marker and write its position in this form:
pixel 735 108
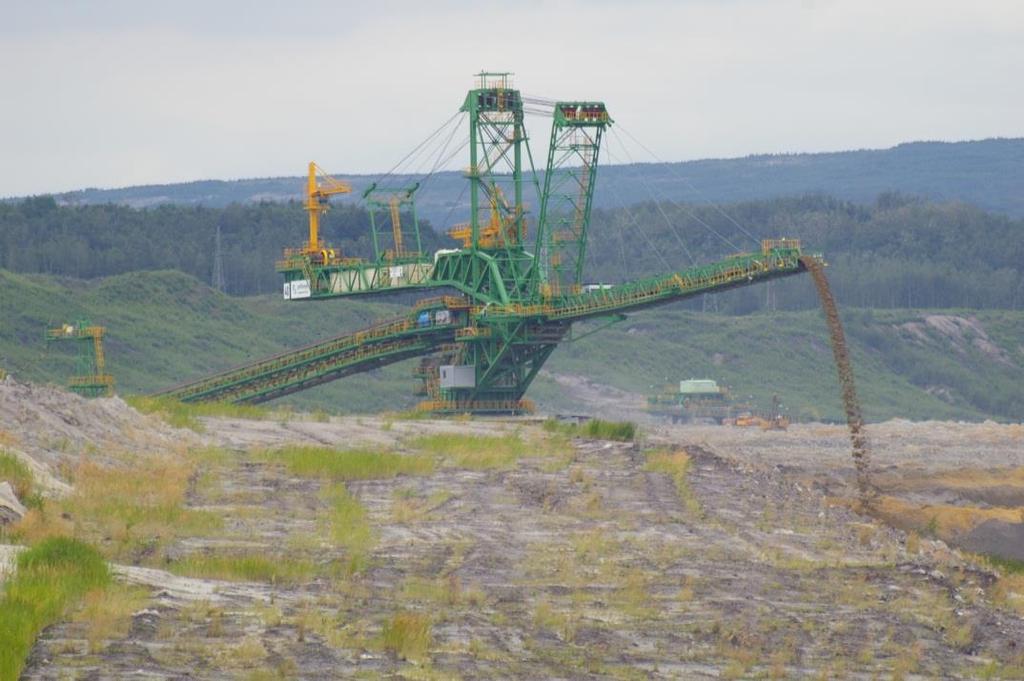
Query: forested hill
pixel 899 252
pixel 896 252
pixel 987 173
pixel 39 236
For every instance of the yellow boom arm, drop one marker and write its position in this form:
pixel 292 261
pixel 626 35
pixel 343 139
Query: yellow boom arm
pixel 319 188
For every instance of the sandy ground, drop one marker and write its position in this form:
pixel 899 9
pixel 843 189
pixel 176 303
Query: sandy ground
pixel 926 446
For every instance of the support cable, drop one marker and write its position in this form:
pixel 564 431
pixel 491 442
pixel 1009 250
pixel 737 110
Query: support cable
pixel 458 201
pixel 416 150
pixel 417 165
pixel 688 184
pixel 442 160
pixel 636 223
pixel 681 207
pixel 661 209
pixel 438 153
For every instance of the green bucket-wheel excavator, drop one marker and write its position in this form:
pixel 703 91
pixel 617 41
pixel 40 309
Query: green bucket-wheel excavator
pixel 504 299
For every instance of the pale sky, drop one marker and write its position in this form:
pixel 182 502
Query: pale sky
pixel 113 93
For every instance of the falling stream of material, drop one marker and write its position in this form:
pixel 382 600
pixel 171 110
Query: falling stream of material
pixel 854 417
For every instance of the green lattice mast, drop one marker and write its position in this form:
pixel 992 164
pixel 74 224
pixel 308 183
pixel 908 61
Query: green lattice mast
pixel 90 378
pixel 568 195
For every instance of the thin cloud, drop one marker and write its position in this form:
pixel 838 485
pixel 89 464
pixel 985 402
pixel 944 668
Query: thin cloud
pixel 127 93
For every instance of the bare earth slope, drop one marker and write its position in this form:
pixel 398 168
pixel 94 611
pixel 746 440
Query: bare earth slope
pixel 700 552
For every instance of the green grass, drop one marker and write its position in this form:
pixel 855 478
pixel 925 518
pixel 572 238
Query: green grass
pixel 676 465
pixel 788 353
pixel 165 327
pixel 623 431
pixel 245 568
pixel 1010 565
pixel 347 464
pixel 407 634
pixel 14 471
pixel 349 526
pixel 126 512
pixel 474 452
pixel 609 430
pixel 51 577
pixel 182 415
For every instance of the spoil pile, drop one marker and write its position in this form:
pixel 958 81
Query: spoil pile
pixel 48 427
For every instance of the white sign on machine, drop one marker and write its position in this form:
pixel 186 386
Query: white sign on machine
pixel 294 290
pixel 457 376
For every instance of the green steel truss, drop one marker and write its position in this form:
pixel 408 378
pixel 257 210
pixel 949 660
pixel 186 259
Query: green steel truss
pixel 288 372
pixel 505 344
pixel 90 378
pixel 496 140
pixel 393 202
pixel 568 195
pixel 515 306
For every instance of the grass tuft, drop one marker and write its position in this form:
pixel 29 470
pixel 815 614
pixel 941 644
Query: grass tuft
pixel 675 464
pixel 407 635
pixel 1010 565
pixel 623 431
pixel 1009 591
pixel 50 578
pixel 182 415
pixel 127 512
pixel 474 452
pixel 107 613
pixel 598 429
pixel 244 567
pixel 944 521
pixel 352 464
pixel 14 471
pixel 546 616
pixel 350 526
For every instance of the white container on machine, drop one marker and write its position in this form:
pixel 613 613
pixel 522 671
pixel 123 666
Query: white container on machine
pixel 697 386
pixel 457 375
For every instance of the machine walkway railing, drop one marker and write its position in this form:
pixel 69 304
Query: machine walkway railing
pixel 777 258
pixel 306 376
pixel 249 382
pixel 420 332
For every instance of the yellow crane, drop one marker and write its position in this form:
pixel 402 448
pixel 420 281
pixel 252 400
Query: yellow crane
pixel 319 188
pixel 392 201
pixel 499 231
pixel 395 205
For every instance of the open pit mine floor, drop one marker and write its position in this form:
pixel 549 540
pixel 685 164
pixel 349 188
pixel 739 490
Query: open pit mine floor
pixel 444 549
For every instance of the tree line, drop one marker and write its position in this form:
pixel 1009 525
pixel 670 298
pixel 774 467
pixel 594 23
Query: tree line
pixel 897 252
pixel 38 235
